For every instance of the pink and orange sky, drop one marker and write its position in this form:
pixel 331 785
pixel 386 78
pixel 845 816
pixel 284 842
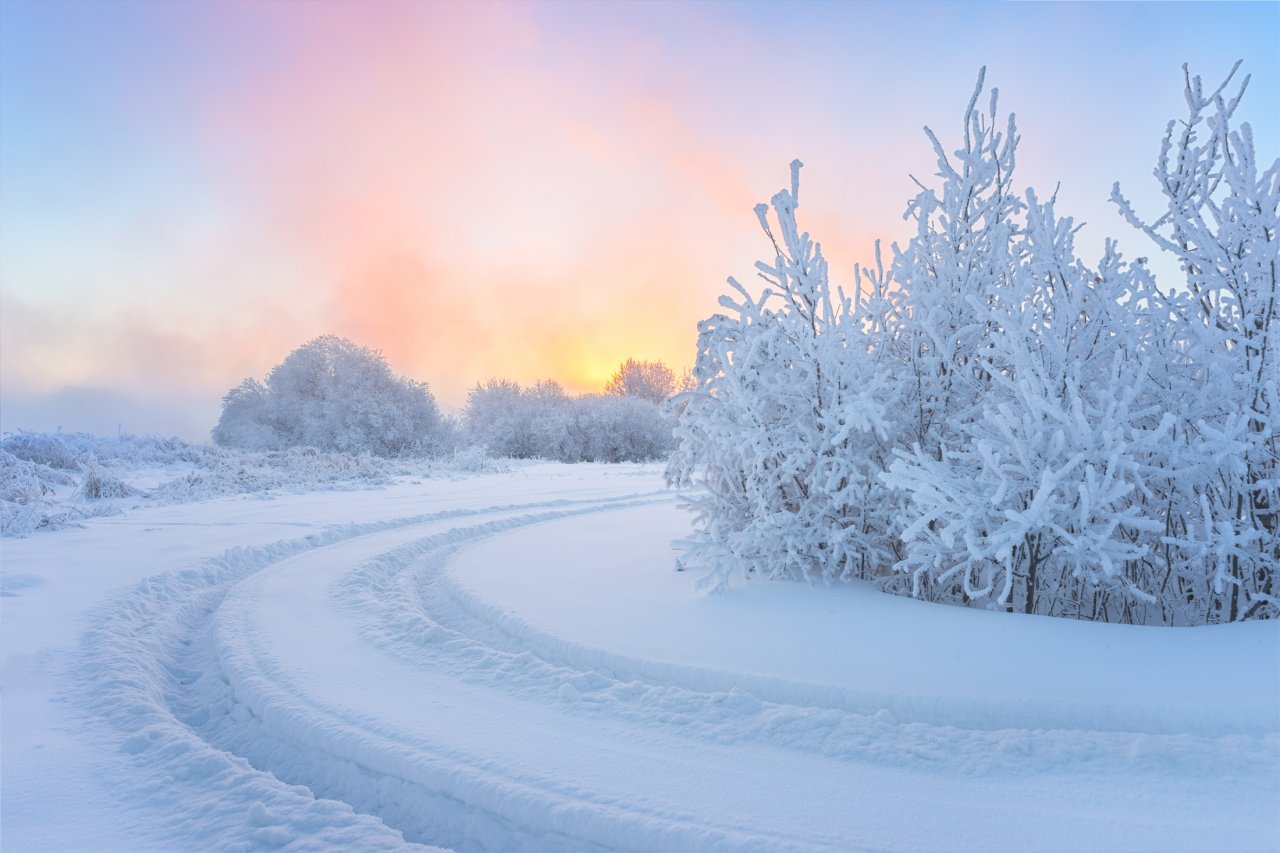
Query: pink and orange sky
pixel 524 190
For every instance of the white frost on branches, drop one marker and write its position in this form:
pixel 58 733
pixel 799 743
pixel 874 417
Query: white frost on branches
pixel 995 422
pixel 331 394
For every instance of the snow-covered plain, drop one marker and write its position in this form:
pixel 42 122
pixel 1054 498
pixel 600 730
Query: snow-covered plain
pixel 509 662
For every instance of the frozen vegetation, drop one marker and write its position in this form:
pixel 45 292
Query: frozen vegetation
pixel 54 480
pixel 543 422
pixel 332 394
pixel 332 414
pixel 990 419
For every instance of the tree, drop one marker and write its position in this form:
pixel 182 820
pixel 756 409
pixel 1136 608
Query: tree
pixel 1036 503
pixel 648 380
pixel 331 394
pixel 791 420
pixel 610 428
pixel 1221 222
pixel 497 418
pixel 244 421
pixel 543 422
pixel 997 423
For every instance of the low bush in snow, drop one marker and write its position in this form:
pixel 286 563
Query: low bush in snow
pixel 543 422
pixel 101 483
pixel 93 476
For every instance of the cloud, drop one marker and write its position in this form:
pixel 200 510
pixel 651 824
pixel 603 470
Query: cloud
pixel 470 206
pixel 477 189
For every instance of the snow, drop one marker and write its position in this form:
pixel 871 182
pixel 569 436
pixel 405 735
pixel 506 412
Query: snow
pixel 508 661
pixel 1115 677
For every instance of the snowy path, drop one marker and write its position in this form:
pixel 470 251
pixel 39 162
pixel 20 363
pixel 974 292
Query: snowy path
pixel 514 666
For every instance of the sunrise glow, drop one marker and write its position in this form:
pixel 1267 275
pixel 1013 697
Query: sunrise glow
pixel 515 190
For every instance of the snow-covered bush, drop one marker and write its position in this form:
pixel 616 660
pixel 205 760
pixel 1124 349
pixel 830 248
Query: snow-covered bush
pixel 26 490
pixel 101 483
pixel 31 491
pixel 995 422
pixel 95 475
pixel 1038 502
pixel 791 420
pixel 469 460
pixel 1222 223
pixel 53 450
pixel 648 380
pixel 72 451
pixel 104 476
pixel 543 422
pixel 611 428
pixel 224 473
pixel 517 423
pixel 331 394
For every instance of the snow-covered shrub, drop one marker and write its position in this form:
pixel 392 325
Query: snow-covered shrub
pixel 102 474
pixel 791 420
pixel 513 422
pixel 225 473
pixel 961 260
pixel 100 483
pixel 468 460
pixel 609 428
pixel 994 422
pixel 29 491
pixel 331 394
pixel 245 422
pixel 543 422
pixel 72 451
pixel 51 449
pixel 23 481
pixel 648 380
pixel 1222 223
pixel 1038 502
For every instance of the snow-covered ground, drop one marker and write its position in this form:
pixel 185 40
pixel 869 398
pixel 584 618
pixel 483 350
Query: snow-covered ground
pixel 509 662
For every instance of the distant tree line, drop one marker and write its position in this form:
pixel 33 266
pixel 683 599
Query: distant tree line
pixel 335 395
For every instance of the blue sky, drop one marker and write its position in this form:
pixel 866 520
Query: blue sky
pixel 190 190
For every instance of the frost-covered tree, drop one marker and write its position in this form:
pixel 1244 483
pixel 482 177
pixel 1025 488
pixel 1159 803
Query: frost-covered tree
pixel 1221 221
pixel 790 420
pixel 994 421
pixel 960 262
pixel 245 421
pixel 331 394
pixel 648 380
pixel 544 422
pixel 608 428
pixel 507 421
pixel 1036 503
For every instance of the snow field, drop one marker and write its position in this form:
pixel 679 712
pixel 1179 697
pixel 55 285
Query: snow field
pixel 852 647
pixel 510 663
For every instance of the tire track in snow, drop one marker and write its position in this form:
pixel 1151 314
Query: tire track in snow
pixel 145 679
pixel 446 794
pixel 403 601
pixel 410 605
pixel 163 661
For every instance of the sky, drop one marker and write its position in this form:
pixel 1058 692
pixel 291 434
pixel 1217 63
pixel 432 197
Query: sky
pixel 189 191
